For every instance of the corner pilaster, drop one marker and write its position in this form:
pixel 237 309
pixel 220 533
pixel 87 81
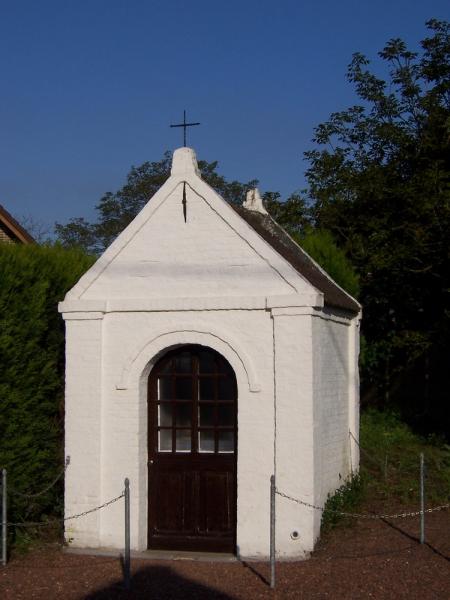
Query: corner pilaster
pixel 294 429
pixel 83 427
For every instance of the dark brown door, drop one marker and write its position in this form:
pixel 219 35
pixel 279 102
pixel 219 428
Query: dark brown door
pixel 192 452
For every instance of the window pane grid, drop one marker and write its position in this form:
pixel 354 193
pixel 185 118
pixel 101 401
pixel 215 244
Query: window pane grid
pixel 195 404
pixel 218 427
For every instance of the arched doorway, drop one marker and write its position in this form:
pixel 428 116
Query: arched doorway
pixel 192 450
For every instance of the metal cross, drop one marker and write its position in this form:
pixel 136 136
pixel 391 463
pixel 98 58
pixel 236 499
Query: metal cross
pixel 185 126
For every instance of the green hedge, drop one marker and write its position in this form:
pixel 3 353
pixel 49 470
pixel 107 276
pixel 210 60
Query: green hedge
pixel 32 281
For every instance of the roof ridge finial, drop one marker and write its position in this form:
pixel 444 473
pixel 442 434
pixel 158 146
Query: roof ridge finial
pixel 253 201
pixel 184 162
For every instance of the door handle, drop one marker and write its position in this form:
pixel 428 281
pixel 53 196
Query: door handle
pixel 150 462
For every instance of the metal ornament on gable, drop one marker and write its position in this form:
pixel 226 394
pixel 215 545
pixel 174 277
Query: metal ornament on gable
pixel 184 125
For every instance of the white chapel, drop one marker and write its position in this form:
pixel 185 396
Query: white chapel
pixel 205 352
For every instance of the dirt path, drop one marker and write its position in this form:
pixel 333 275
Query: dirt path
pixel 372 559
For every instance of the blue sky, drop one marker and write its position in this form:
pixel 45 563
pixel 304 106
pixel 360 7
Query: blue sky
pixel 89 88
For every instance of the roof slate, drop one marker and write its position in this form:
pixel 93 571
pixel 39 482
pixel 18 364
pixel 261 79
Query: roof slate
pixel 277 237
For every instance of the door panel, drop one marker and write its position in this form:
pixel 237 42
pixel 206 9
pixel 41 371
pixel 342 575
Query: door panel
pixel 175 494
pixel 192 451
pixel 216 505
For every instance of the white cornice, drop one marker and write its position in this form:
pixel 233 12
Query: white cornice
pixel 192 304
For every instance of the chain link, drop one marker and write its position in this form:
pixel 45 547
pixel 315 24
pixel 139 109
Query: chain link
pixel 11 490
pixel 59 521
pixel 87 512
pixel 362 515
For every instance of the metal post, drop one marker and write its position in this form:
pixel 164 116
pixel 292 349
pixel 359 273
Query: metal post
pixel 127 535
pixel 422 499
pixel 4 517
pixel 272 531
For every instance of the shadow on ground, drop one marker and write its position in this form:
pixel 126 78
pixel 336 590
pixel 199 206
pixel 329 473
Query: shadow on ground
pixel 416 538
pixel 158 583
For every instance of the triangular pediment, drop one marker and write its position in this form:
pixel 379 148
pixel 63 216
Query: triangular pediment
pixel 211 253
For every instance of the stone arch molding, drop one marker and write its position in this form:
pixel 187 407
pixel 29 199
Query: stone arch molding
pixel 149 353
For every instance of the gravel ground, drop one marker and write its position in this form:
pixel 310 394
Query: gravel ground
pixel 372 559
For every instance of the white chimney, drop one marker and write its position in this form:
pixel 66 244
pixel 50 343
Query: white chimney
pixel 253 201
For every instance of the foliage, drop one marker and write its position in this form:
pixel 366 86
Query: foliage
pixel 347 499
pixel 39 230
pixel 388 481
pixel 33 280
pixel 292 214
pixel 117 210
pixel 390 461
pixel 379 181
pixel 231 191
pixel 319 244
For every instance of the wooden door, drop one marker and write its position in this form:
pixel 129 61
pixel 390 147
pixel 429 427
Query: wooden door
pixel 192 452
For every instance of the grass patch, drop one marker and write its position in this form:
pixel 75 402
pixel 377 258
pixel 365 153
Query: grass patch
pixel 25 539
pixel 390 462
pixel 347 498
pixel 388 480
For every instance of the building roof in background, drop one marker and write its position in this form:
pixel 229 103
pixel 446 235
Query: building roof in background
pixel 12 230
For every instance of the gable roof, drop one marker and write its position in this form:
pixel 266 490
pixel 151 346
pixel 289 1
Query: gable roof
pixel 277 237
pixel 12 230
pixel 253 226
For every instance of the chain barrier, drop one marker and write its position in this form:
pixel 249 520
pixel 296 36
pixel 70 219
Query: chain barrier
pixel 125 494
pixel 87 512
pixel 11 490
pixel 362 515
pixel 59 521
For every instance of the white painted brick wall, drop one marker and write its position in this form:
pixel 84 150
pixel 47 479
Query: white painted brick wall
pixel 331 405
pixel 294 433
pixel 83 428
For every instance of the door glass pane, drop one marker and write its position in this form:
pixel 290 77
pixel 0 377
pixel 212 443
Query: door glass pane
pixel 165 440
pixel 207 364
pixel 167 367
pixel 182 363
pixel 206 388
pixel 222 367
pixel 184 414
pixel 225 388
pixel 226 441
pixel 183 388
pixel 165 415
pixel 206 415
pixel 206 441
pixel 226 415
pixel 183 440
pixel 165 388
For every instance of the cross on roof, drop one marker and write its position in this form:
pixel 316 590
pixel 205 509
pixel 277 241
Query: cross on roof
pixel 185 126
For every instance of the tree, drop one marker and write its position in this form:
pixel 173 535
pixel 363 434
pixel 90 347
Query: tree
pixel 117 210
pixel 319 244
pixel 39 230
pixel 380 183
pixel 292 214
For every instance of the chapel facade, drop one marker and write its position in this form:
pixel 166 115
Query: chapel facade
pixel 206 351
